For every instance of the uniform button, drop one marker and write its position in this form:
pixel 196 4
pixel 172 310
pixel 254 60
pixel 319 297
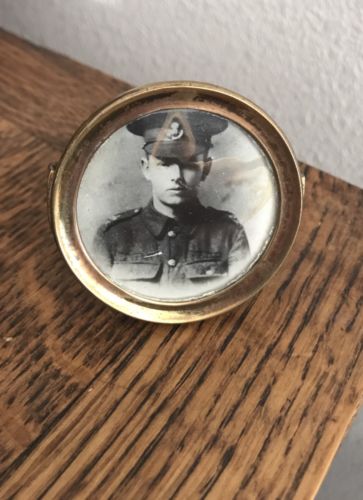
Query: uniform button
pixel 171 234
pixel 136 210
pixel 171 262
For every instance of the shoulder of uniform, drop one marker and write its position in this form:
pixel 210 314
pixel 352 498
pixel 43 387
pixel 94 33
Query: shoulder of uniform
pixel 233 218
pixel 215 214
pixel 123 216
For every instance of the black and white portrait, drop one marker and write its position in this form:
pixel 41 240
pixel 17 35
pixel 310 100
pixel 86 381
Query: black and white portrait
pixel 176 204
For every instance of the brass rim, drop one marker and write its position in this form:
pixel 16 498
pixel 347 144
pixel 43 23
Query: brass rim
pixel 142 100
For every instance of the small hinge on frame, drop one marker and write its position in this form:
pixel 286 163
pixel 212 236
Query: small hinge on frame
pixel 302 176
pixel 52 169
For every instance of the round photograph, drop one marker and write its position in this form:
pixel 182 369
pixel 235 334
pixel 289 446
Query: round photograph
pixel 177 204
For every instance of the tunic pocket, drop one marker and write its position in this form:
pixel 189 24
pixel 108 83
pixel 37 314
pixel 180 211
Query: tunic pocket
pixel 135 267
pixel 205 265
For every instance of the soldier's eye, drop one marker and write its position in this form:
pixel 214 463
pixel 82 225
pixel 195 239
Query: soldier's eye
pixel 194 165
pixel 165 163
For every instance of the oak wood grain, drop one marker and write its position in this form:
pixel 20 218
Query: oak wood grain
pixel 93 404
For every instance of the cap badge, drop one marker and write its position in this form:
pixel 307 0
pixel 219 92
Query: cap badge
pixel 174 132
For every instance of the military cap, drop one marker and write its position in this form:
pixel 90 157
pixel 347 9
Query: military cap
pixel 177 133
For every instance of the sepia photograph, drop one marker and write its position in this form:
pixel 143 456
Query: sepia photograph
pixel 177 204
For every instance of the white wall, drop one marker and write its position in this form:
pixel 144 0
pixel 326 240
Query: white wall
pixel 302 61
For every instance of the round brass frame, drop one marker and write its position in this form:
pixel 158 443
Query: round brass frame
pixel 65 179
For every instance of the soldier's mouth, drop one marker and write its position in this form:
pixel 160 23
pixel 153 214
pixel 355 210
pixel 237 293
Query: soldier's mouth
pixel 178 189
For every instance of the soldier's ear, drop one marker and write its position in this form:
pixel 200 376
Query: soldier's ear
pixel 145 167
pixel 206 168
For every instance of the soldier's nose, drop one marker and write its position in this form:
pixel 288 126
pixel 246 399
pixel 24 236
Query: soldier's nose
pixel 176 170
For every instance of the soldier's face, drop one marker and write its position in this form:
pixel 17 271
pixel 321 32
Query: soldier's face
pixel 175 181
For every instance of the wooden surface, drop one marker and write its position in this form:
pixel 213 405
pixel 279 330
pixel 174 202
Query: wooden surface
pixel 252 404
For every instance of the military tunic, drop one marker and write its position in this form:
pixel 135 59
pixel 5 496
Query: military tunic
pixel 144 245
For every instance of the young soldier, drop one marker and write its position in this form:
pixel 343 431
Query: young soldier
pixel 174 239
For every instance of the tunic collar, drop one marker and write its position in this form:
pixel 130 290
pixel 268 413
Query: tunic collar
pixel 158 223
